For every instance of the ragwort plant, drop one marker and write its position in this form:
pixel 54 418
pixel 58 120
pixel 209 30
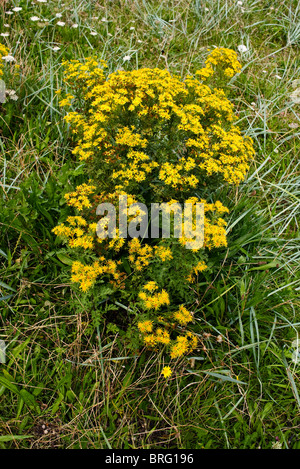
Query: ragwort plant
pixel 153 137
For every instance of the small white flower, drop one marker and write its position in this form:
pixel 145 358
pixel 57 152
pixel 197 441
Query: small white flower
pixel 126 58
pixel 139 41
pixel 95 17
pixel 242 48
pixel 55 48
pixel 42 1
pixel 34 18
pixel 277 445
pixel 264 71
pixel 132 28
pixel 75 25
pixel 60 23
pixel 239 3
pixel 93 33
pixel 206 9
pixel 4 34
pixel 6 25
pixel 278 77
pixel 17 9
pixel 9 13
pixel 103 19
pixel 8 58
pixel 58 15
pixel 12 94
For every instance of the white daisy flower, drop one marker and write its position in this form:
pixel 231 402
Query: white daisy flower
pixel 4 34
pixel 9 13
pixel 8 58
pixel 242 48
pixel 17 9
pixel 132 28
pixel 6 25
pixel 126 58
pixel 239 3
pixel 60 23
pixel 58 15
pixel 75 25
pixel 93 33
pixel 55 48
pixel 139 41
pixel 34 18
pixel 42 1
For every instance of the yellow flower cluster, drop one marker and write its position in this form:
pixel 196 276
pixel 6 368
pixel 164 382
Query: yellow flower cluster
pixel 161 336
pixel 84 75
pixel 86 275
pixel 222 59
pixel 136 167
pixel 183 316
pixel 200 267
pixel 214 225
pixel 190 112
pixel 78 234
pixel 145 326
pixel 153 300
pixel 183 345
pixel 140 255
pixel 153 336
pixel 3 52
pixel 80 198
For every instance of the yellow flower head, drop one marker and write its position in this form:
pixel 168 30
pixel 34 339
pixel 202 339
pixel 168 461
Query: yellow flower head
pixel 145 326
pixel 166 372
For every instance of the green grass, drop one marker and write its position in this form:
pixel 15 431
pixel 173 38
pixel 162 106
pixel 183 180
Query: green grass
pixel 66 382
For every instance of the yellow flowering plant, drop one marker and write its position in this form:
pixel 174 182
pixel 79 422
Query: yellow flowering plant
pixel 3 52
pixel 156 138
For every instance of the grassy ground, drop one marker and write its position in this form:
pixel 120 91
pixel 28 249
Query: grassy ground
pixel 68 384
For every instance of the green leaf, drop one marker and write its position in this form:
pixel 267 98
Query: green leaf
pixel 271 265
pixel 29 400
pixel 4 285
pixel 218 376
pixel 3 298
pixel 65 259
pixel 57 403
pixel 8 385
pixel 14 437
pixel 3 253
